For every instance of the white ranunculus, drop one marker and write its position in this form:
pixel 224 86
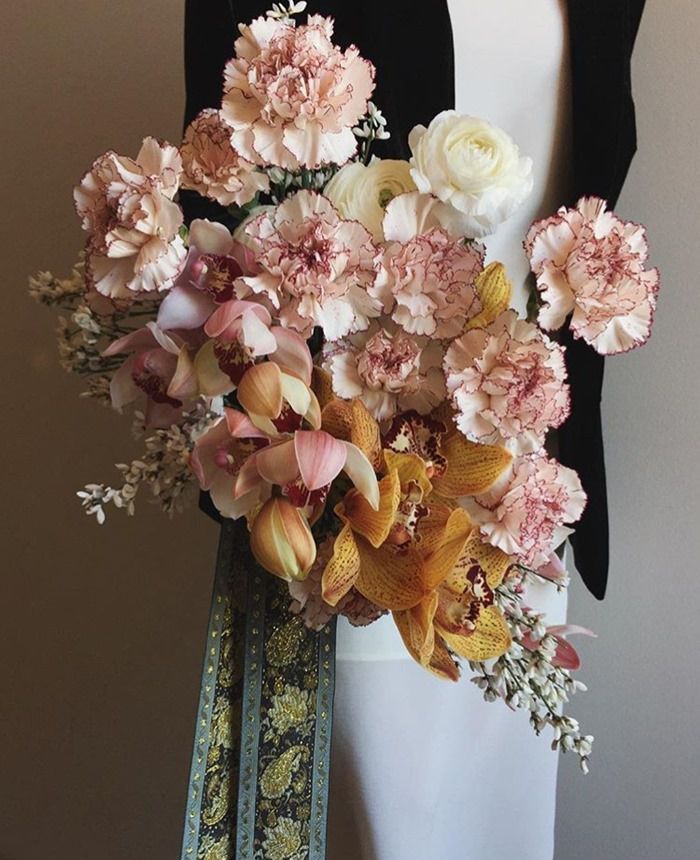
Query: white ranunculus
pixel 472 165
pixel 361 193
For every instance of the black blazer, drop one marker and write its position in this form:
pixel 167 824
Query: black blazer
pixel 411 88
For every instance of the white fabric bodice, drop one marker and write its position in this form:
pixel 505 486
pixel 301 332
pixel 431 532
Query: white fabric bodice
pixel 511 68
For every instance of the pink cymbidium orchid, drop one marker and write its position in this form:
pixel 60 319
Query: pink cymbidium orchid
pixel 214 261
pixel 159 369
pixel 276 442
pixel 240 333
pixel 565 656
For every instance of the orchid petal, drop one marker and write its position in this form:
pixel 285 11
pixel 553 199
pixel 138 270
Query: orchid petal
pixel 296 393
pixel 184 308
pixel 471 468
pixel 213 382
pixel 277 464
pixel 360 471
pixel 209 237
pixel 122 388
pixel 320 457
pixel 184 384
pixel 134 341
pixel 495 292
pixel 256 335
pixel 441 561
pixel 374 525
pixel 292 353
pixel 260 391
pixel 241 427
pixel 490 639
pixel 391 579
pixel 341 571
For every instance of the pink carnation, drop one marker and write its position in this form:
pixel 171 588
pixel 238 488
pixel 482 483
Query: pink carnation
pixel 292 97
pixel 525 514
pixel 590 263
pixel 507 380
pixel 388 371
pixel 127 208
pixel 213 167
pixel 429 283
pixel 314 269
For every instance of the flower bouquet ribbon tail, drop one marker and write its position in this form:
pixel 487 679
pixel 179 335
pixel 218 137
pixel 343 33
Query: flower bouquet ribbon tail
pixel 258 783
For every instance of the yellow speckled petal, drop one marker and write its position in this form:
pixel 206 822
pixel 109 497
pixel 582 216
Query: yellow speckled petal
pixel 416 628
pixel 442 663
pixel 371 524
pixel 322 386
pixel 352 422
pixel 410 468
pixel 442 559
pixel 495 291
pixel 471 468
pixel 491 560
pixel 342 570
pixel 490 639
pixel 392 579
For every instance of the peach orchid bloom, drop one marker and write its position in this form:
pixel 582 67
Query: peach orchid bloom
pixel 283 446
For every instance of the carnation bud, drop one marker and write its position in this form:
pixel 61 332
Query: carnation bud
pixel 281 540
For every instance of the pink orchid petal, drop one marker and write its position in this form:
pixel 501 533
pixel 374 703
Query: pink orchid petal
pixel 184 308
pixel 554 570
pixel 292 353
pixel 571 630
pixel 256 335
pixel 360 471
pixel 212 381
pixel 202 460
pixel 231 312
pixel 241 427
pixel 209 237
pixel 320 457
pixel 277 464
pixel 122 388
pixel 248 478
pixel 167 342
pixel 137 340
pixel 566 656
pixel 184 384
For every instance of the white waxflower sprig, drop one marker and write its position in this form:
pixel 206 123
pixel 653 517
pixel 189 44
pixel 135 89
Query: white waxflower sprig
pixel 286 14
pixel 163 468
pixel 373 127
pixel 526 677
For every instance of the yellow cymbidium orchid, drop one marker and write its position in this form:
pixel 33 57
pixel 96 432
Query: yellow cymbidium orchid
pixel 459 617
pixel 374 551
pixel 495 291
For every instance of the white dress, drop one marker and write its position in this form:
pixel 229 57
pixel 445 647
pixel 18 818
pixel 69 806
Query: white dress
pixel 423 769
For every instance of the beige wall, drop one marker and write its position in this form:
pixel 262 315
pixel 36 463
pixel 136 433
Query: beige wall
pixel 640 801
pixel 102 628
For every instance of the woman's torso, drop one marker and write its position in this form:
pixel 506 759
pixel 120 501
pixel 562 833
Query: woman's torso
pixel 511 68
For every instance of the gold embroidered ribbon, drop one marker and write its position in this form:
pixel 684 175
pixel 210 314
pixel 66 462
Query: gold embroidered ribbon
pixel 260 766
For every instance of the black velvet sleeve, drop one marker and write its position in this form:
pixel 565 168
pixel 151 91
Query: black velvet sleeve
pixel 602 39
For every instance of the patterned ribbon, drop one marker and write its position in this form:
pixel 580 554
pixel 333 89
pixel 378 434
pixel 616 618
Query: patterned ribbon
pixel 259 779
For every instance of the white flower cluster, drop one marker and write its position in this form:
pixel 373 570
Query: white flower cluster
pixel 373 128
pixel 51 291
pixel 164 468
pixel 285 182
pixel 280 12
pixel 526 677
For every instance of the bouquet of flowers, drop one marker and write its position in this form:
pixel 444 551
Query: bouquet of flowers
pixel 343 368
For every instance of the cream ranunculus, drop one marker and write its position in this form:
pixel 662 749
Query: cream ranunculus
pixel 472 165
pixel 362 192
